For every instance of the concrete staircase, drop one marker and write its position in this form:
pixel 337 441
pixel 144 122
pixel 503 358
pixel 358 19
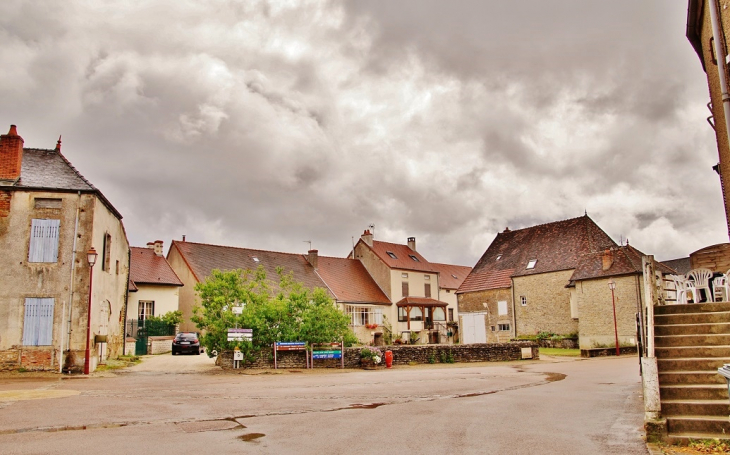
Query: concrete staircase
pixel 691 342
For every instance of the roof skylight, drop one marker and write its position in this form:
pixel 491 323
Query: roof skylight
pixel 414 258
pixel 531 264
pixel 391 254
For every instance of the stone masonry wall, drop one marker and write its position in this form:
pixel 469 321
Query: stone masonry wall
pixel 595 311
pixel 548 304
pixel 160 344
pixel 402 355
pixel 486 301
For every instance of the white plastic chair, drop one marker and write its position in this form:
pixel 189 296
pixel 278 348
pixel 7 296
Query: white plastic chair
pixel 721 288
pixel 680 287
pixel 699 279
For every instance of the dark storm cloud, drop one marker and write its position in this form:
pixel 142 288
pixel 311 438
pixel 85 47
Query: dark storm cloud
pixel 264 124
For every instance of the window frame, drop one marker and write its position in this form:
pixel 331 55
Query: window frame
pixel 143 316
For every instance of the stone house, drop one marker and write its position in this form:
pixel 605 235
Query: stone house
pixel 50 216
pixel 154 288
pixel 552 278
pixel 422 303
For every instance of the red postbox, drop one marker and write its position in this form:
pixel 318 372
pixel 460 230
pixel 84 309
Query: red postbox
pixel 388 359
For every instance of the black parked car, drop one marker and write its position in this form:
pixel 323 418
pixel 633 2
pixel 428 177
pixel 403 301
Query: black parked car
pixel 186 342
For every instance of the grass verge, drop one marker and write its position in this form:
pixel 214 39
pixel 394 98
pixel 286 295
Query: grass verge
pixel 560 352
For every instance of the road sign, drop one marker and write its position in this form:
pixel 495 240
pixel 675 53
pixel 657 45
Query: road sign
pixel 291 345
pixel 240 334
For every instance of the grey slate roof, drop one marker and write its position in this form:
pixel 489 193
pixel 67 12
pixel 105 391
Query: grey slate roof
pixel 50 169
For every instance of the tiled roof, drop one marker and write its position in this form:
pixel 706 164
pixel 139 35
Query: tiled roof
pixel 451 276
pixel 555 246
pixel 349 281
pixel 403 259
pixel 420 301
pixel 145 267
pixel 203 259
pixel 681 265
pixel 486 279
pixel 626 261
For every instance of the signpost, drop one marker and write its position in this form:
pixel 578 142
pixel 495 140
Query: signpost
pixel 324 351
pixel 240 335
pixel 290 346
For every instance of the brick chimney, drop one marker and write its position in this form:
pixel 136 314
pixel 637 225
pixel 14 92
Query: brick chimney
pixel 11 154
pixel 367 237
pixel 412 243
pixel 313 258
pixel 607 260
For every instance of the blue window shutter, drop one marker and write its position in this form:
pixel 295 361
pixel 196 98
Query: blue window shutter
pixel 38 321
pixel 44 240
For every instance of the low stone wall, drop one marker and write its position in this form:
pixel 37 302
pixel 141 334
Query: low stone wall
pixel 603 352
pixel 562 343
pixel 402 355
pixel 36 358
pixel 159 345
pixel 130 346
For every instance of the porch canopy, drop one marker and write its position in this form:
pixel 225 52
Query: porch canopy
pixel 419 302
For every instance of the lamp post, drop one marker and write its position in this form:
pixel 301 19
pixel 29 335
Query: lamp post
pixel 612 287
pixel 91 258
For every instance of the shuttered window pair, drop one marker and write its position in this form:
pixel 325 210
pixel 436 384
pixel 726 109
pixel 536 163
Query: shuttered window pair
pixel 38 322
pixel 44 241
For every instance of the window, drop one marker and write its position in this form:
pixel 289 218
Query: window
pixel 47 203
pixel 451 315
pixel 404 275
pixel 503 327
pixel 454 276
pixel 106 252
pixel 427 290
pixel 437 314
pixel 499 256
pixel 146 309
pixel 427 277
pixel 38 322
pixel 391 254
pixel 255 259
pixel 493 328
pixel 416 314
pixel 404 289
pixel 523 300
pixel 44 240
pixel 531 264
pixel 502 307
pixel 414 257
pixel 117 269
pixel 361 315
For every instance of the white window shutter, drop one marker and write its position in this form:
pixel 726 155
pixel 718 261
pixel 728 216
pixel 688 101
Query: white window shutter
pixel 38 322
pixel 44 240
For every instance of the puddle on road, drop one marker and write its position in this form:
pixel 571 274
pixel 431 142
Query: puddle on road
pixel 251 436
pixel 554 377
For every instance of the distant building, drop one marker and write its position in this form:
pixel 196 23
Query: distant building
pixel 50 216
pixel 154 288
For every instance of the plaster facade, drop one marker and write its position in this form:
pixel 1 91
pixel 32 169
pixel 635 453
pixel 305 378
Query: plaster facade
pixel 166 299
pixel 187 296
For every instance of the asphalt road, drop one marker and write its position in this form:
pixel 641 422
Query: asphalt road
pixel 530 407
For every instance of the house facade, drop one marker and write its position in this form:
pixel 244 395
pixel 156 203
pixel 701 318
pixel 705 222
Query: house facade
pixel 50 216
pixel 554 278
pixel 154 288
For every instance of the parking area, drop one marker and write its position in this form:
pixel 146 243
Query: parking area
pixel 175 364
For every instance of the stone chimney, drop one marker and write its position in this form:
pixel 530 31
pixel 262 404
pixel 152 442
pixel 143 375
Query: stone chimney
pixel 367 237
pixel 158 247
pixel 412 243
pixel 506 229
pixel 313 258
pixel 607 260
pixel 11 154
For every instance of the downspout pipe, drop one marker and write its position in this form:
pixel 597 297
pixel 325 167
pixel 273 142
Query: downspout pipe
pixel 719 42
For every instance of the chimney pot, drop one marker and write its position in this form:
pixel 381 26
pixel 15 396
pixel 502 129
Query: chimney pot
pixel 313 258
pixel 367 237
pixel 158 247
pixel 11 154
pixel 412 243
pixel 607 260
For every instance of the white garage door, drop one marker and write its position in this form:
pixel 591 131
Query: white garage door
pixel 474 330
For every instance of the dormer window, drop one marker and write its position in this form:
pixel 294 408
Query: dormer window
pixel 426 277
pixel 392 255
pixel 414 258
pixel 531 264
pixel 499 256
pixel 454 276
pixel 255 259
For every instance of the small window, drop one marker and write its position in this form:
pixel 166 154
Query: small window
pixel 448 291
pixel 523 300
pixel 531 264
pixel 391 254
pixel 427 290
pixel 414 258
pixel 255 259
pixel 493 328
pixel 117 268
pixel 404 275
pixel 499 256
pixel 47 203
pixel 106 252
pixel 502 307
pixel 454 276
pixel 438 314
pixel 146 309
pixel 503 327
pixel 451 314
pixel 404 289
pixel 426 277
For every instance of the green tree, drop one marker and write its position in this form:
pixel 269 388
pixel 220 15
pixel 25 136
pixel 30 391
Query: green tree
pixel 293 313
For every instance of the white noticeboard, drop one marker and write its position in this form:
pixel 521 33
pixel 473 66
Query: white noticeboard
pixel 237 310
pixel 240 334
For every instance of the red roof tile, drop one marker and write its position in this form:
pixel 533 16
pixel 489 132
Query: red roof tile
pixel 402 259
pixel 420 301
pixel 487 279
pixel 145 267
pixel 451 276
pixel 203 259
pixel 626 260
pixel 349 281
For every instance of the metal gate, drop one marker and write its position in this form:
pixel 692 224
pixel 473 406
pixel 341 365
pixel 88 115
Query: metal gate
pixel 143 329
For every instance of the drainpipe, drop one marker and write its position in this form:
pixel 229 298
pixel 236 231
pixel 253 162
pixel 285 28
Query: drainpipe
pixel 719 42
pixel 126 301
pixel 71 284
pixel 514 312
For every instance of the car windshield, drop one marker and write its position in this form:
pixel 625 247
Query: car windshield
pixel 187 336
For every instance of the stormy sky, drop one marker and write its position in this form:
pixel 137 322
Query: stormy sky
pixel 267 124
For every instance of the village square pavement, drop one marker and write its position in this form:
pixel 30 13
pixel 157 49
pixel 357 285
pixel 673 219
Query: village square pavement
pixel 184 404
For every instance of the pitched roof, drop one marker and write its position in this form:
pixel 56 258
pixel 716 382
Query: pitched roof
pixel 349 281
pixel 420 301
pixel 145 267
pixel 203 259
pixel 554 246
pixel 404 256
pixel 483 280
pixel 680 265
pixel 624 260
pixel 451 276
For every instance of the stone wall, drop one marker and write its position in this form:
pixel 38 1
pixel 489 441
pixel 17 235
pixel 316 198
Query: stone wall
pixel 36 358
pixel 486 301
pixel 402 355
pixel 561 343
pixel 547 307
pixel 159 344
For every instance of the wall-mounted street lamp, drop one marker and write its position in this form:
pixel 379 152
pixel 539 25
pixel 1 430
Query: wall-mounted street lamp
pixel 91 258
pixel 612 287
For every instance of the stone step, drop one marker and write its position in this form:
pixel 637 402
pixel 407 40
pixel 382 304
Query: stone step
pixel 692 329
pixel 692 318
pixel 693 392
pixel 698 424
pixel 692 340
pixel 684 439
pixel 692 308
pixel 696 407
pixel 691 364
pixel 675 352
pixel 691 377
